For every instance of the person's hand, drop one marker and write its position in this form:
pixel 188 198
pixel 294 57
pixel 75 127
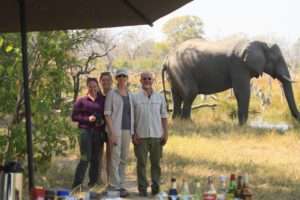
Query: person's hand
pixel 92 118
pixel 135 138
pixel 164 139
pixel 113 139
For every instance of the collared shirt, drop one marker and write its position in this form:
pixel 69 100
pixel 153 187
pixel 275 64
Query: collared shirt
pixel 148 114
pixel 114 109
pixel 85 107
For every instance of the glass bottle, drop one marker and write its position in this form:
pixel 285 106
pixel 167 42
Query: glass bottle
pixel 232 188
pixel 173 194
pixel 49 195
pixel 239 188
pixel 223 189
pixel 211 193
pixel 246 192
pixel 62 194
pixel 184 192
pixel 162 195
pixel 198 190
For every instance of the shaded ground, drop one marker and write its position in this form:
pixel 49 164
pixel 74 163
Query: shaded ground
pixel 64 174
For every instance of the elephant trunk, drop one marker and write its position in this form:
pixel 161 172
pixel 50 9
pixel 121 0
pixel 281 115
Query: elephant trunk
pixel 289 95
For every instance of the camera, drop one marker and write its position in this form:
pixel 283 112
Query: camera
pixel 99 119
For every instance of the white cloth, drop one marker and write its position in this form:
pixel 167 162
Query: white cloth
pixel 148 113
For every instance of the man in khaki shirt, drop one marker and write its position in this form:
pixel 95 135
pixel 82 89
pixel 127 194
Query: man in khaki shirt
pixel 151 133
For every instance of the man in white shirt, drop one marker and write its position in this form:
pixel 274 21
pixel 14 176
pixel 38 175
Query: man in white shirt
pixel 151 133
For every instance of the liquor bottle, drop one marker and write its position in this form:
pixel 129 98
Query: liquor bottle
pixel 221 195
pixel 184 192
pixel 238 192
pixel 198 190
pixel 173 194
pixel 211 193
pixel 232 188
pixel 246 192
pixel 162 195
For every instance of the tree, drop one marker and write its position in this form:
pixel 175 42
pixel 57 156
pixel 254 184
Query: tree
pixel 182 28
pixel 105 41
pixel 49 82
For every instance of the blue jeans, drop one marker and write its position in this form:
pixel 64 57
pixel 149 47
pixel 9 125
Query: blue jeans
pixel 90 144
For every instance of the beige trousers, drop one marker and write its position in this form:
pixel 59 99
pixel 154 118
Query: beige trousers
pixel 119 154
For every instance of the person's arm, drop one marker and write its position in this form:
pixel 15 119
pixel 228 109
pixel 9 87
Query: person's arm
pixel 77 113
pixel 164 137
pixel 112 135
pixel 164 121
pixel 135 137
pixel 107 112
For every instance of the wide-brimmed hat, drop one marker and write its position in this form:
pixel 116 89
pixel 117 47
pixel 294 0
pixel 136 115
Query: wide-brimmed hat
pixel 121 72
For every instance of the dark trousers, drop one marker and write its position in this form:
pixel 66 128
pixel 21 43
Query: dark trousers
pixel 153 147
pixel 90 144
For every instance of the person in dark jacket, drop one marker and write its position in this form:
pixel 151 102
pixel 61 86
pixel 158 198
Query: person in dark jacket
pixel 87 112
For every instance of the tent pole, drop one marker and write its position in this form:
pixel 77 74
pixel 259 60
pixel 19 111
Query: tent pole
pixel 26 92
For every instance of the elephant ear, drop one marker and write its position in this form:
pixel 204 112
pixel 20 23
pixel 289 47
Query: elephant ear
pixel 255 57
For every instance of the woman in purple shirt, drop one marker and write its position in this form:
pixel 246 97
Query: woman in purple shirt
pixel 88 112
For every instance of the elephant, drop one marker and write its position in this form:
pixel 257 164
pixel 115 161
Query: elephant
pixel 206 67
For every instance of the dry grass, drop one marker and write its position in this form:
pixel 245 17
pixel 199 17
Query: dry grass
pixel 270 158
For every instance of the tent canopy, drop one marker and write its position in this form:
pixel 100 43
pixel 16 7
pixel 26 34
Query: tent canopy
pixel 43 15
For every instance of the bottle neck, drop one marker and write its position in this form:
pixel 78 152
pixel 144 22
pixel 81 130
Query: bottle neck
pixel 223 185
pixel 173 185
pixel 185 186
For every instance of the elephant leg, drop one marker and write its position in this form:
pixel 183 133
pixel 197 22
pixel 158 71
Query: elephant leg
pixel 177 101
pixel 187 105
pixel 242 94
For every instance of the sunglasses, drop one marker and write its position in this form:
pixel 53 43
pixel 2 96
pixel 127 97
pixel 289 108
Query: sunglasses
pixel 149 79
pixel 121 75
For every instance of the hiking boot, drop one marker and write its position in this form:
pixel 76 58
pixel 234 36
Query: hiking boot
pixel 143 193
pixel 154 192
pixel 123 192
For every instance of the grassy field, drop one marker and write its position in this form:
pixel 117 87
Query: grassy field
pixel 213 144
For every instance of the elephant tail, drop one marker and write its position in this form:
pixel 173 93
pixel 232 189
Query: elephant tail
pixel 164 69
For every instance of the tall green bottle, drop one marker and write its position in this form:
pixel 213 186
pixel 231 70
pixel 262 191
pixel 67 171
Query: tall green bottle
pixel 198 191
pixel 232 188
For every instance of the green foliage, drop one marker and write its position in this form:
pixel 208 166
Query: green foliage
pixel 49 83
pixel 162 49
pixel 182 28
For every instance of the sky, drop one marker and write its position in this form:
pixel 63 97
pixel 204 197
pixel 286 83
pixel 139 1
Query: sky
pixel 223 18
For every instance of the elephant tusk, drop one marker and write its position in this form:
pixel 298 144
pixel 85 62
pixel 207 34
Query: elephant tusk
pixel 288 79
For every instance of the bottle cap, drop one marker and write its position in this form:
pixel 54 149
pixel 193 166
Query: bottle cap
pixel 232 177
pixel 62 193
pixel 50 193
pixel 38 192
pixel 210 179
pixel 223 179
pixel 197 180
